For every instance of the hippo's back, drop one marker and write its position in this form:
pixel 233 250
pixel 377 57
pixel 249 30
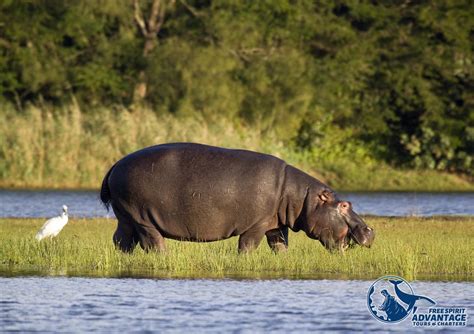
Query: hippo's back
pixel 197 192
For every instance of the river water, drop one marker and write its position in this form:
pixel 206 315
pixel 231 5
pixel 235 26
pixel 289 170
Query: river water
pixel 27 204
pixel 65 304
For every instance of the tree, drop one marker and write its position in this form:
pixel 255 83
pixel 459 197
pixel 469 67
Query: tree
pixel 149 30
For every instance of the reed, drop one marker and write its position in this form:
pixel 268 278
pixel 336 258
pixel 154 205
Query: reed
pixel 45 147
pixel 414 248
pixel 69 149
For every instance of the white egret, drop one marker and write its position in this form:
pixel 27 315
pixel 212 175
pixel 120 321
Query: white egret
pixel 53 226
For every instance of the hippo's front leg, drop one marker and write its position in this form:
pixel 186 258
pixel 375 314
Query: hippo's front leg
pixel 278 239
pixel 250 239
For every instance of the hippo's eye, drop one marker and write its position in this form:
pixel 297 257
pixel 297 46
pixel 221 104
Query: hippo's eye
pixel 345 205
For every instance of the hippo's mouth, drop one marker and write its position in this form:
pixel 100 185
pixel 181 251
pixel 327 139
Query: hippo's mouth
pixel 358 237
pixel 349 241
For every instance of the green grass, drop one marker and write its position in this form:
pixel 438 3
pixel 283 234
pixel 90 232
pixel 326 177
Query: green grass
pixel 68 148
pixel 414 248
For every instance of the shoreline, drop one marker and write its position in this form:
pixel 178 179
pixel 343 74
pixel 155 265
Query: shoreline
pixel 5 272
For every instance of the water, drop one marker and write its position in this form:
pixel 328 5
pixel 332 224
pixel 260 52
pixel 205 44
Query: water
pixel 163 305
pixel 26 204
pixel 47 203
pixel 412 203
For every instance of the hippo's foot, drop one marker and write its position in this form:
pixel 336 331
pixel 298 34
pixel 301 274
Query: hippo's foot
pixel 152 246
pixel 279 247
pixel 150 238
pixel 343 247
pixel 247 245
pixel 126 247
pixel 278 239
pixel 250 240
pixel 125 238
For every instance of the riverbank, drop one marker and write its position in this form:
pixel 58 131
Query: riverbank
pixel 414 248
pixel 70 149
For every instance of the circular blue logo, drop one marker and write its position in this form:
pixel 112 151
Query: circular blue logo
pixel 388 299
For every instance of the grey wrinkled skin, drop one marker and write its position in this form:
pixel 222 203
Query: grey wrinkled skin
pixel 201 193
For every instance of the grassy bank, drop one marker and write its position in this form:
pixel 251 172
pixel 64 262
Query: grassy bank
pixel 69 148
pixel 414 248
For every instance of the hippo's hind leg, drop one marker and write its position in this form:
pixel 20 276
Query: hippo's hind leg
pixel 278 239
pixel 150 238
pixel 125 237
pixel 134 228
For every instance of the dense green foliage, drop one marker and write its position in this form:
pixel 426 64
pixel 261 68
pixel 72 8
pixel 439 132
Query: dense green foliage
pixel 393 80
pixel 434 249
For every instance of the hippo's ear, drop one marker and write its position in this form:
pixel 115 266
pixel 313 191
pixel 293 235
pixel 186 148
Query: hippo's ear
pixel 327 196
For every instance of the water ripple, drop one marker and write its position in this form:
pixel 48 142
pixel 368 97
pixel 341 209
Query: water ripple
pixel 151 305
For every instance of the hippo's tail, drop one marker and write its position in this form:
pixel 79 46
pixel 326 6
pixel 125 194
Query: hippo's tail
pixel 105 195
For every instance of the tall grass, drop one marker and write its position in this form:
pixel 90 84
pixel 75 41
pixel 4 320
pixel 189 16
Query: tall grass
pixel 413 248
pixel 69 148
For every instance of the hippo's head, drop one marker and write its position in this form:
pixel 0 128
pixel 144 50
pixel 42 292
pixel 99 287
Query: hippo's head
pixel 336 225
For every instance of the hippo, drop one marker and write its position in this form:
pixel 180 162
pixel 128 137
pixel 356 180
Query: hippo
pixel 201 193
pixel 392 308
